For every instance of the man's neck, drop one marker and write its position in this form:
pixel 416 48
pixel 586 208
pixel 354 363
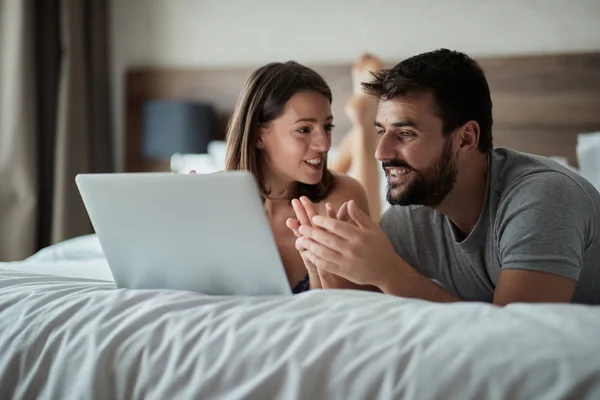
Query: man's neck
pixel 464 203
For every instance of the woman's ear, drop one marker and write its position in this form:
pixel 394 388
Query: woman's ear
pixel 260 137
pixel 259 143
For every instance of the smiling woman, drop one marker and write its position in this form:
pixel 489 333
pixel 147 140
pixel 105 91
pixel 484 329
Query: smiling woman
pixel 281 132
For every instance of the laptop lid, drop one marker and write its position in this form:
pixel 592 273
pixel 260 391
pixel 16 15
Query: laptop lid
pixel 204 233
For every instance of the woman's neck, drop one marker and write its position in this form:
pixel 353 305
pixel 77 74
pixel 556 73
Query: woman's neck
pixel 279 191
pixel 278 187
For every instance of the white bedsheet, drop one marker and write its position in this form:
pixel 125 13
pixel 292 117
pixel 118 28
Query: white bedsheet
pixel 71 337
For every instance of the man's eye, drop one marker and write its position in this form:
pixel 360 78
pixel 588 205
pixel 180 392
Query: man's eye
pixel 380 132
pixel 329 127
pixel 406 134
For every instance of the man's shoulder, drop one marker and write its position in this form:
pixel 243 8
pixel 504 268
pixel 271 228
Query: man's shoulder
pixel 535 187
pixel 515 173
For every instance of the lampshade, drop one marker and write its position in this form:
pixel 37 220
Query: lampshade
pixel 176 126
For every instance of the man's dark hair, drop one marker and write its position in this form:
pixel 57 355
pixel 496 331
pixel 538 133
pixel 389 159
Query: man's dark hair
pixel 458 83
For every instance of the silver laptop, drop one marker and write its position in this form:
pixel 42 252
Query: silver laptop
pixel 203 233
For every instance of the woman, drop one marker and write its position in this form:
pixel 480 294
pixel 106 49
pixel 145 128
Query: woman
pixel 281 132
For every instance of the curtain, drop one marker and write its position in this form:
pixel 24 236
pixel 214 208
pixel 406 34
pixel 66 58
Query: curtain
pixel 54 118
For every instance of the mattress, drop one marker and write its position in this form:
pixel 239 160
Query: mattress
pixel 67 332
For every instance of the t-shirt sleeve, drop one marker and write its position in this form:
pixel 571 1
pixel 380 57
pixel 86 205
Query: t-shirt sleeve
pixel 542 225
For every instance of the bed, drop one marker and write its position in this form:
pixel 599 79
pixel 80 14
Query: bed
pixel 67 332
pixel 74 335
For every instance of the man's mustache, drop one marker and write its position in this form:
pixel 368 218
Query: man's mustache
pixel 396 163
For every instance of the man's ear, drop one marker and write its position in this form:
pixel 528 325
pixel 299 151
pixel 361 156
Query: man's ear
pixel 468 136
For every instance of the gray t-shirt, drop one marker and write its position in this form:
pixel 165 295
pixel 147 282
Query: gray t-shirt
pixel 537 215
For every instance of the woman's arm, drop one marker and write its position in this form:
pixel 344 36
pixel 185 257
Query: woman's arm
pixel 343 160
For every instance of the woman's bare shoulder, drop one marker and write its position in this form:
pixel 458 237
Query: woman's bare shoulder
pixel 347 188
pixel 345 184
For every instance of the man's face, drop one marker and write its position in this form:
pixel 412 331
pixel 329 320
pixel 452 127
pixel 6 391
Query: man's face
pixel 417 158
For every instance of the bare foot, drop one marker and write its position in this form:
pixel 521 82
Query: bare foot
pixel 361 109
pixel 362 69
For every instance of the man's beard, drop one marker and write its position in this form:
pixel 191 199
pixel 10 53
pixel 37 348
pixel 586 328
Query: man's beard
pixel 428 190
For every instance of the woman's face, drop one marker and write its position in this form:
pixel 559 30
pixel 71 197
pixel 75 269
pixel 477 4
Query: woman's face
pixel 295 145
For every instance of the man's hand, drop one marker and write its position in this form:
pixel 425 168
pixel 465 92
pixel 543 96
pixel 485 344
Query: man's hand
pixel 361 254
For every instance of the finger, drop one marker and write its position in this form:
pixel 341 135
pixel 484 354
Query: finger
pixel 322 252
pixel 330 210
pixel 342 229
pixel 307 263
pixel 308 206
pixel 342 214
pixel 306 259
pixel 324 238
pixel 293 224
pixel 300 244
pixel 362 220
pixel 300 213
pixel 321 264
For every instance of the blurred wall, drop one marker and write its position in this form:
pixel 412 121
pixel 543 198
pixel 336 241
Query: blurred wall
pixel 189 33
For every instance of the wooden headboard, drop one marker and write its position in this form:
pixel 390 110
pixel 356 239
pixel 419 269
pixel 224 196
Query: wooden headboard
pixel 540 103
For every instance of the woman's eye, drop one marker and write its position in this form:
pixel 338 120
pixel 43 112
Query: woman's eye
pixel 303 130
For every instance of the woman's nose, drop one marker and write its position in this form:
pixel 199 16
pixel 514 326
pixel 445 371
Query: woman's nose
pixel 322 142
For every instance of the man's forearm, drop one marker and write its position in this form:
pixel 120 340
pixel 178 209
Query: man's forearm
pixel 331 281
pixel 408 282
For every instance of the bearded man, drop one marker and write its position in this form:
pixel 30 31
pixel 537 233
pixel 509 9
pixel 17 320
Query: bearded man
pixel 468 222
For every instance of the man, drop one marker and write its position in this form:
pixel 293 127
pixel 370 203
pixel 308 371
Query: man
pixel 469 222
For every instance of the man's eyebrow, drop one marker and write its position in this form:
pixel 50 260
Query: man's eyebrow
pixel 399 124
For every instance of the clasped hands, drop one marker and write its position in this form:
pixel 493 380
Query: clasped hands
pixel 345 243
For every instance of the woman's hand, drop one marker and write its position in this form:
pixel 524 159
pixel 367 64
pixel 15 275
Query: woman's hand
pixel 305 210
pixel 304 215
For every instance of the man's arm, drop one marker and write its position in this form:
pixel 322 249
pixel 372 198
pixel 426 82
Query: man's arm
pixel 521 286
pixel 513 286
pixel 543 226
pixel 363 254
pixel 408 282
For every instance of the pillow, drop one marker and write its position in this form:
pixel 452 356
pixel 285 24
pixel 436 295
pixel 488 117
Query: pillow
pixel 588 157
pixel 80 248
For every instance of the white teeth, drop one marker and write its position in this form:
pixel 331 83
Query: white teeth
pixel 314 161
pixel 399 171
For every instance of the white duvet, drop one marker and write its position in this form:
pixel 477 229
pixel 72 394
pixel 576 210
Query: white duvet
pixel 65 336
